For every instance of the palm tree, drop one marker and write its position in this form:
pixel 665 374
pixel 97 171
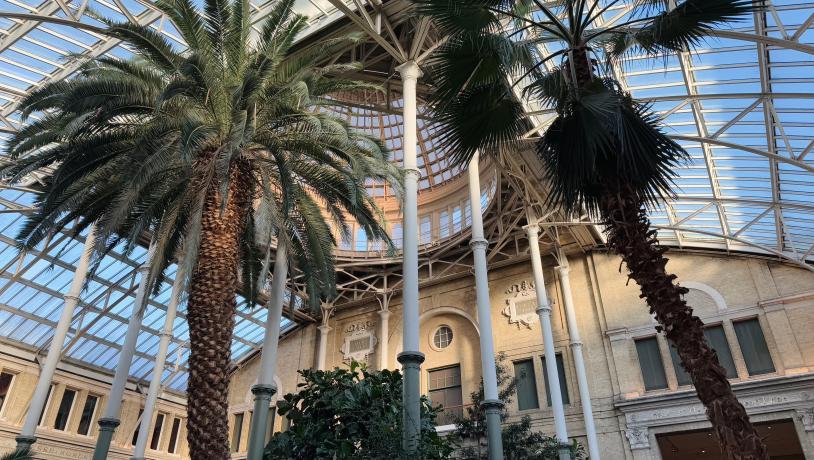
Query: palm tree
pixel 605 152
pixel 215 151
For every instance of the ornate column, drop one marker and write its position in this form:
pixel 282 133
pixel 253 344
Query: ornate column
pixel 158 370
pixel 579 362
pixel 324 329
pixel 110 420
pixel 410 358
pixel 27 436
pixel 264 390
pixel 491 401
pixel 544 311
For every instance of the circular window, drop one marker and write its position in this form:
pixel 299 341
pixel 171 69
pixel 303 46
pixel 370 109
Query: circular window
pixel 442 337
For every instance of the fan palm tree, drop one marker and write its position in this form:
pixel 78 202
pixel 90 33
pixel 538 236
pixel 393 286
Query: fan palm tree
pixel 215 151
pixel 605 152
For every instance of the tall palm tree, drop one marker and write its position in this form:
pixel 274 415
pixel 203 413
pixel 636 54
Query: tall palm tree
pixel 215 150
pixel 604 152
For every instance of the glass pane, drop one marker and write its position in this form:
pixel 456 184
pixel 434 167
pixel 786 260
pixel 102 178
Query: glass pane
pixel 681 375
pixel 754 348
pixel 237 432
pixel 87 414
pixel 64 411
pixel 716 338
pixel 561 377
pixel 156 437
pixel 138 427
pixel 176 428
pixel 5 385
pixel 526 385
pixel 651 364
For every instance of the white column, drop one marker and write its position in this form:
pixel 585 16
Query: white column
pixel 158 370
pixel 491 400
pixel 579 362
pixel 27 435
pixel 264 389
pixel 384 338
pixel 411 357
pixel 544 311
pixel 322 351
pixel 110 419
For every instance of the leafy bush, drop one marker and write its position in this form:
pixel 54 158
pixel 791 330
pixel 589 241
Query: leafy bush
pixel 351 413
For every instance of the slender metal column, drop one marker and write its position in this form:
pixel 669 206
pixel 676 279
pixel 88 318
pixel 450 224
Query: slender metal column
pixel 579 361
pixel 544 311
pixel 110 420
pixel 411 356
pixel 491 401
pixel 158 369
pixel 28 436
pixel 264 390
pixel 384 338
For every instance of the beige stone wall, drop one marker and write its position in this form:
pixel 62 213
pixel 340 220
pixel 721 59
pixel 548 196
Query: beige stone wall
pixel 68 444
pixel 610 316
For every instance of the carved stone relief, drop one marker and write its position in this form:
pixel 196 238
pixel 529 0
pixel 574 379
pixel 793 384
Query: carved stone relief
pixel 521 306
pixel 360 340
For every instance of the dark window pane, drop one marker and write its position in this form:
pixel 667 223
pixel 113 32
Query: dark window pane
pixel 651 364
pixel 64 411
pixel 138 427
pixel 716 338
pixel 681 375
pixel 47 402
pixel 237 432
pixel 561 377
pixel 156 438
pixel 526 385
pixel 174 432
pixel 754 348
pixel 445 390
pixel 5 385
pixel 87 414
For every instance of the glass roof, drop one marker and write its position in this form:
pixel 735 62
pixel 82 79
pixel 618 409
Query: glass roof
pixel 742 105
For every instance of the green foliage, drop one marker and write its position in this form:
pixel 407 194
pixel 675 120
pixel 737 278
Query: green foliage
pixel 134 145
pixel 601 140
pixel 350 413
pixel 520 442
pixel 24 454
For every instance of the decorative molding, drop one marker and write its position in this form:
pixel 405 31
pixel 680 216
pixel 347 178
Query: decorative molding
pixel 360 341
pixel 807 417
pixel 638 437
pixel 521 307
pixel 716 296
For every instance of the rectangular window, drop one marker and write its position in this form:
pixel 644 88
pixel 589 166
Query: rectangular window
pixel 456 219
pixel 88 411
pixel 526 385
pixel 716 338
pixel 445 389
pixel 652 366
pixel 398 239
pixel 237 432
pixel 425 230
pixel 175 433
pixel 361 239
pixel 753 346
pixel 138 427
pixel 5 385
pixel 443 222
pixel 65 408
pixel 155 439
pixel 561 377
pixel 47 403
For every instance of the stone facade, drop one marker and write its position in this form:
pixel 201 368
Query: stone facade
pixel 723 290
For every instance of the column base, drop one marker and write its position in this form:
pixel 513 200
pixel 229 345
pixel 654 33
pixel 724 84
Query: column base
pixel 24 443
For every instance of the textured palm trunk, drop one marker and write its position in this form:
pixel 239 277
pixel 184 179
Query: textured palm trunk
pixel 630 235
pixel 210 314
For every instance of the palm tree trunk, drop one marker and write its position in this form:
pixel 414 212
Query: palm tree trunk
pixel 210 314
pixel 630 235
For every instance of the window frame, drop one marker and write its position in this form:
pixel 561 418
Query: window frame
pixel 772 358
pixel 533 378
pixel 154 425
pixel 655 339
pixel 565 391
pixel 92 415
pixel 174 449
pixel 4 405
pixel 67 426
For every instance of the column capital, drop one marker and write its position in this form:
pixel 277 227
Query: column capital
pixel 563 269
pixel 479 243
pixel 264 390
pixel 325 329
pixel 143 268
pixel 69 297
pixel 25 442
pixel 108 423
pixel 412 172
pixel 410 70
pixel 410 358
pixel 544 308
pixel 491 405
pixel 575 344
pixel 532 229
pixel 384 314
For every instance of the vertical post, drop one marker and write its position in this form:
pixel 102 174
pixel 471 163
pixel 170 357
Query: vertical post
pixel 579 361
pixel 384 337
pixel 110 420
pixel 324 329
pixel 264 390
pixel 28 436
pixel 158 369
pixel 410 358
pixel 491 403
pixel 544 311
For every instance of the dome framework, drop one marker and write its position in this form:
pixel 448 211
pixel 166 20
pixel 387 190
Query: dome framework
pixel 741 105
